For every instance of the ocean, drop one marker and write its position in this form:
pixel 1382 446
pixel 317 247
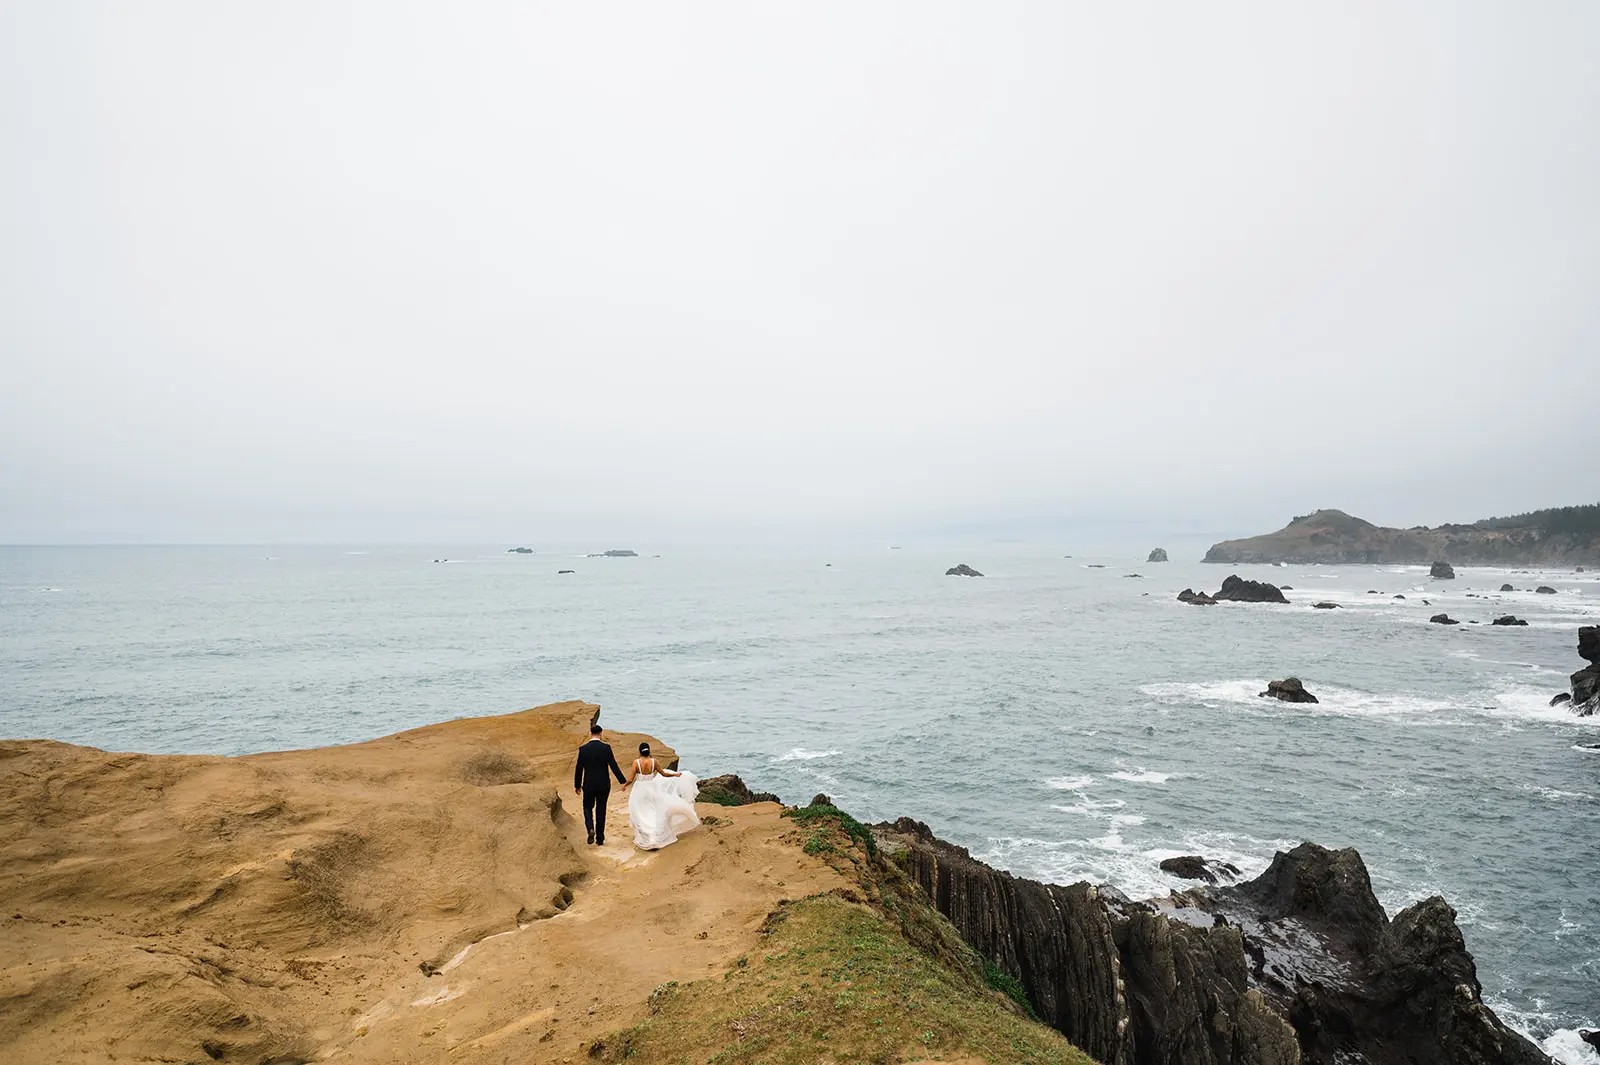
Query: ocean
pixel 1062 721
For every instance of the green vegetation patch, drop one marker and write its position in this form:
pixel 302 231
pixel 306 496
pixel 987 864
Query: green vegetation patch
pixel 835 981
pixel 823 816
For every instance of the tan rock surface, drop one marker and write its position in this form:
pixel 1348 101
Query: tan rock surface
pixel 425 897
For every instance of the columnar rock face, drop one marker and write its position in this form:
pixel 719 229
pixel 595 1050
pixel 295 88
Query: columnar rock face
pixel 1586 682
pixel 1158 555
pixel 1300 965
pixel 1443 571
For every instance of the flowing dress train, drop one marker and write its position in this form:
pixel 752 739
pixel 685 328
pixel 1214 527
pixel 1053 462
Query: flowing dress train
pixel 660 808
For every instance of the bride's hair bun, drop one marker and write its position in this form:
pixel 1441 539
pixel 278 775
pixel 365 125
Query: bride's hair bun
pixel 644 749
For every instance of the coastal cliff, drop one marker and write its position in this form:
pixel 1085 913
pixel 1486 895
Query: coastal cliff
pixel 1298 965
pixel 1563 536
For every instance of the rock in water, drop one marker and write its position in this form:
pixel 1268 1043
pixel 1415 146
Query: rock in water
pixel 1194 598
pixel 1300 965
pixel 1325 606
pixel 1194 867
pixel 1442 571
pixel 1586 682
pixel 1443 619
pixel 1590 1035
pixel 1507 588
pixel 1238 590
pixel 1158 555
pixel 1589 643
pixel 1507 619
pixel 731 790
pixel 519 550
pixel 1560 697
pixel 1545 589
pixel 1290 690
pixel 963 570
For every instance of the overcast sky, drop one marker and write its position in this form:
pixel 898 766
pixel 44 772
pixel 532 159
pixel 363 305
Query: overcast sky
pixel 320 271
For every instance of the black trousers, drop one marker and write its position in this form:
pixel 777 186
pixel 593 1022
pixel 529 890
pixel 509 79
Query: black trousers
pixel 594 812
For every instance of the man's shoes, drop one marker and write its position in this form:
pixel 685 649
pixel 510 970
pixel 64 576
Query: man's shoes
pixel 591 837
pixel 600 842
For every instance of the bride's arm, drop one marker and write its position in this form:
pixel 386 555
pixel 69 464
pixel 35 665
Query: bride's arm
pixel 633 771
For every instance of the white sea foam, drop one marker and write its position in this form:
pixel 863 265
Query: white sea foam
pixel 800 754
pixel 1141 776
pixel 1070 783
pixel 1567 1047
pixel 1091 807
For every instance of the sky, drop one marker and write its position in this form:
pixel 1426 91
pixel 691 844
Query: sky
pixel 335 272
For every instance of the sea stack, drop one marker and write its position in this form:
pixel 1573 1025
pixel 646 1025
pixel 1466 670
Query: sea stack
pixel 962 570
pixel 1442 571
pixel 1158 555
pixel 1586 682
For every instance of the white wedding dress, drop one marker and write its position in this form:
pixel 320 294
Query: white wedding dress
pixel 662 807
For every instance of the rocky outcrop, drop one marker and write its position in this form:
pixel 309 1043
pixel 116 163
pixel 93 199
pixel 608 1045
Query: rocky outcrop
pixel 1325 606
pixel 1195 867
pixel 1507 588
pixel 519 550
pixel 1290 690
pixel 1158 555
pixel 1194 598
pixel 1238 590
pixel 963 570
pixel 1549 537
pixel 1586 682
pixel 1443 619
pixel 1507 619
pixel 1298 965
pixel 1442 571
pixel 615 552
pixel 1545 589
pixel 731 790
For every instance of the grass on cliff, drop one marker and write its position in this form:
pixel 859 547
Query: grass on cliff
pixel 834 981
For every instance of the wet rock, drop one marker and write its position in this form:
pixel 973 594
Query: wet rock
pixel 821 799
pixel 1158 555
pixel 1298 966
pixel 963 570
pixel 1399 597
pixel 561 571
pixel 1545 589
pixel 1560 697
pixel 1443 619
pixel 1589 643
pixel 1507 619
pixel 1285 587
pixel 1194 598
pixel 1290 690
pixel 1325 606
pixel 1589 1035
pixel 1235 589
pixel 519 550
pixel 1442 571
pixel 1507 588
pixel 1194 867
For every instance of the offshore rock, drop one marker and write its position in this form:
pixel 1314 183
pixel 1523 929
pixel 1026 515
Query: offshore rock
pixel 1507 588
pixel 1158 555
pixel 1507 619
pixel 1290 690
pixel 730 790
pixel 1545 589
pixel 1442 571
pixel 1194 598
pixel 1443 619
pixel 1194 867
pixel 1238 590
pixel 963 570
pixel 1300 965
pixel 1325 606
pixel 1560 697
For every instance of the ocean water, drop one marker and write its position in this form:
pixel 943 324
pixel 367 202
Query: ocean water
pixel 1062 721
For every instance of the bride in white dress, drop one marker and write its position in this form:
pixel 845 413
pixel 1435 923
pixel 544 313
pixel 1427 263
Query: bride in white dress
pixel 660 803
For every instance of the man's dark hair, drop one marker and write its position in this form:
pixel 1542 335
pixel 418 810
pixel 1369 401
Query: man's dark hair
pixel 594 730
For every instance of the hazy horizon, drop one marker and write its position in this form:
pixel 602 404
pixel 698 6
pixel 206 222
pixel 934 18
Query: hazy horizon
pixel 385 273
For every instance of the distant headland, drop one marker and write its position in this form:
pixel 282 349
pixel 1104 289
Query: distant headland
pixel 1559 536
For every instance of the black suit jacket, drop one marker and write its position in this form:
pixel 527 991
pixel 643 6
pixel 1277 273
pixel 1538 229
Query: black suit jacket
pixel 594 758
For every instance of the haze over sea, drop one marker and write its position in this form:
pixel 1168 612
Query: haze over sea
pixel 1064 722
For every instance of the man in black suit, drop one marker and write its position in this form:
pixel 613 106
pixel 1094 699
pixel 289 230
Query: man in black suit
pixel 591 779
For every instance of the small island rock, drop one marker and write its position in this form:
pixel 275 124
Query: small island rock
pixel 1442 571
pixel 1325 606
pixel 963 570
pixel 1194 867
pixel 1545 589
pixel 1158 555
pixel 1507 588
pixel 1508 619
pixel 1443 619
pixel 1290 690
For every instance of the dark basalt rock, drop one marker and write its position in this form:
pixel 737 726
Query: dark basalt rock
pixel 1300 965
pixel 1560 697
pixel 821 799
pixel 561 571
pixel 1238 590
pixel 963 570
pixel 1399 597
pixel 731 790
pixel 1194 867
pixel 1507 588
pixel 1545 589
pixel 1324 606
pixel 1443 619
pixel 1442 571
pixel 1589 643
pixel 1589 1035
pixel 1285 587
pixel 519 550
pixel 615 552
pixel 1158 555
pixel 1507 619
pixel 1290 690
pixel 1194 598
